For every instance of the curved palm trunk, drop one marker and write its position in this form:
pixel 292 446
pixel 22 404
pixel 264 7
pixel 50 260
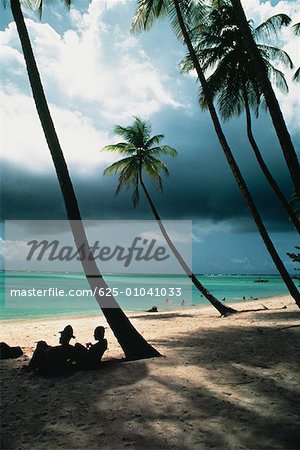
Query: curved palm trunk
pixel 223 309
pixel 233 164
pixel 266 171
pixel 271 100
pixel 132 343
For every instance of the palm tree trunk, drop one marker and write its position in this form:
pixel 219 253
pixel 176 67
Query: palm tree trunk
pixel 132 343
pixel 271 100
pixel 223 309
pixel 265 169
pixel 233 164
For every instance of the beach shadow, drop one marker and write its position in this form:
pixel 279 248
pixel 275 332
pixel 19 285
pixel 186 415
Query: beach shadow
pixel 225 387
pixel 251 388
pixel 166 316
pixel 284 316
pixel 60 401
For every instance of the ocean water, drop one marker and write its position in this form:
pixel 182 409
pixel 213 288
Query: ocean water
pixel 135 292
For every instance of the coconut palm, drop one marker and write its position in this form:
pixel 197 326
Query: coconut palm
pixel 183 14
pixel 219 45
pixel 141 152
pixel 282 132
pixel 132 343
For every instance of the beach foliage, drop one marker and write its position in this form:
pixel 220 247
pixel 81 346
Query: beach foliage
pixel 183 16
pixel 132 343
pixel 232 79
pixel 142 151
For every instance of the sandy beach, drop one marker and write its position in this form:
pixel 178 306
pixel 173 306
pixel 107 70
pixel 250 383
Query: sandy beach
pixel 223 383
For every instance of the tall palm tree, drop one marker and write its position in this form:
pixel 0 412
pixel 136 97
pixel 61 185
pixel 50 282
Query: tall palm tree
pixel 270 97
pixel 132 343
pixel 141 152
pixel 183 14
pixel 219 45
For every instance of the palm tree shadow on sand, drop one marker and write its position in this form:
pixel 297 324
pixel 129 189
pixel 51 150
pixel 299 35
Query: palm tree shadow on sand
pixel 243 394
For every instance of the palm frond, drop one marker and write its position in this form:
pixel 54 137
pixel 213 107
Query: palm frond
pixel 117 167
pixel 146 13
pixel 156 164
pixel 277 77
pixel 152 167
pixel 271 26
pixel 296 76
pixel 121 148
pixel 154 140
pixel 37 5
pixel 128 175
pixel 296 29
pixel 163 150
pixel 271 52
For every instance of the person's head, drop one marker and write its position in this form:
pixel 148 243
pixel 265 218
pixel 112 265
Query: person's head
pixel 66 334
pixel 99 333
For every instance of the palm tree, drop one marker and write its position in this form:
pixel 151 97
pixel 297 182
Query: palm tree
pixel 234 82
pixel 141 152
pixel 269 95
pixel 132 343
pixel 296 29
pixel 182 14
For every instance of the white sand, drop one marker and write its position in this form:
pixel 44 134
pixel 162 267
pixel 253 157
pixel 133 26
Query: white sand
pixel 224 383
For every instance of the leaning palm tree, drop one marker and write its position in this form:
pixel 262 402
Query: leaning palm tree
pixel 219 45
pixel 142 153
pixel 282 132
pixel 184 17
pixel 132 343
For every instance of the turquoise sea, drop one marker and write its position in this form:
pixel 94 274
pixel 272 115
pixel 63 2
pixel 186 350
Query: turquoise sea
pixel 135 292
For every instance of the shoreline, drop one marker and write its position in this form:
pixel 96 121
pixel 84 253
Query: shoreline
pixel 237 303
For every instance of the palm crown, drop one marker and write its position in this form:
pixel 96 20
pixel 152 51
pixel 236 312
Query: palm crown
pixel 219 45
pixel 142 151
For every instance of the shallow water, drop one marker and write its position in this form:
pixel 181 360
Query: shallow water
pixel 134 292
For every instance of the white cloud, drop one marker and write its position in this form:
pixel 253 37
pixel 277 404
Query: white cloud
pixel 12 250
pixel 95 68
pixel 202 229
pixel 80 140
pixel 176 237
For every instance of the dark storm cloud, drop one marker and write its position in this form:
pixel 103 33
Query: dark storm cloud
pixel 201 185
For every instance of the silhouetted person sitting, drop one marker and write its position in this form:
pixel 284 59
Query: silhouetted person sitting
pixel 49 359
pixel 89 357
pixel 8 352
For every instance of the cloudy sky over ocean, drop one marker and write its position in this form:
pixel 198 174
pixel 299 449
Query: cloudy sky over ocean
pixel 96 74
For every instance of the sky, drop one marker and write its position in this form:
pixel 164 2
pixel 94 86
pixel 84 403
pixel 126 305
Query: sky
pixel 96 74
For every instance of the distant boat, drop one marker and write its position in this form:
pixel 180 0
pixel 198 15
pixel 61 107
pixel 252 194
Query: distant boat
pixel 261 280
